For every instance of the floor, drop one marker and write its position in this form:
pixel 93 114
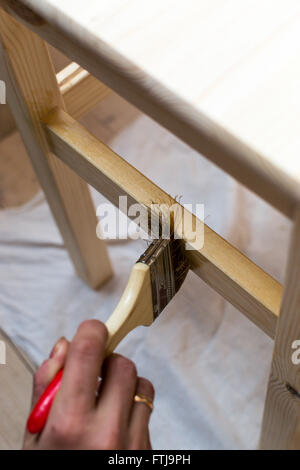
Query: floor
pixel 15 395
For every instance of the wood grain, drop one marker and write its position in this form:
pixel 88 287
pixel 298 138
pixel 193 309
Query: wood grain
pixel 15 166
pixel 15 395
pixel 81 91
pixel 32 92
pixel 281 422
pixel 7 122
pixel 198 72
pixel 220 265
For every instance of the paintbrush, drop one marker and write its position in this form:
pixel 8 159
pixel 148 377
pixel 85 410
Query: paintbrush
pixel 154 280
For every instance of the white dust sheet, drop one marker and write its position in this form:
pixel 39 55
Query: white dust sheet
pixel 209 363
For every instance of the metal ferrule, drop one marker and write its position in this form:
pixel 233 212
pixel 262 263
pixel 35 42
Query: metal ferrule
pixel 158 257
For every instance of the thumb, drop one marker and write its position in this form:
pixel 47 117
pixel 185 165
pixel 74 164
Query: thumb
pixel 49 368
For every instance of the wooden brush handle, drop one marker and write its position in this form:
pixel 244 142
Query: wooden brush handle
pixel 134 309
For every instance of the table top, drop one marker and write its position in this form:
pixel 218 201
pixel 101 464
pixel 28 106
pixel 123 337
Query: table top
pixel 214 65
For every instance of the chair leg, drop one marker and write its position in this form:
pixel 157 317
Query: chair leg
pixel 281 421
pixel 33 91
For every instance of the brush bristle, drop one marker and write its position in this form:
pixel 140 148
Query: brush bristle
pixel 168 269
pixel 181 265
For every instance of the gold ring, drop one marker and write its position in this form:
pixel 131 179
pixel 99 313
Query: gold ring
pixel 140 398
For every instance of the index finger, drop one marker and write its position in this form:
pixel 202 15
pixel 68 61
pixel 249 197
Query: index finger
pixel 83 366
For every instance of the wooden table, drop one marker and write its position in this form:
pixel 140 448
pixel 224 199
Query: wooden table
pixel 221 75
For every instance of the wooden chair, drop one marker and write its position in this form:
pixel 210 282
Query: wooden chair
pixel 174 64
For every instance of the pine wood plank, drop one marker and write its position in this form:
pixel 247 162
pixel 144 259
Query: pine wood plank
pixel 33 91
pixel 219 264
pixel 281 422
pixel 197 71
pixel 81 91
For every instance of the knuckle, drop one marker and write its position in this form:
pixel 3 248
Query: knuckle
pixel 91 337
pixel 126 366
pixel 93 327
pixel 85 347
pixel 139 444
pixel 65 430
pixel 146 387
pixel 111 440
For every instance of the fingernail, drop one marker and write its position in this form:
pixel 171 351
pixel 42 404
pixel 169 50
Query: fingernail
pixel 57 347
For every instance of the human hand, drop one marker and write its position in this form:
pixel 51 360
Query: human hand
pixel 79 419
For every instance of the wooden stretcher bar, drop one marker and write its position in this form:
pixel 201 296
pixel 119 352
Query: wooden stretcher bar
pixel 81 91
pixel 219 264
